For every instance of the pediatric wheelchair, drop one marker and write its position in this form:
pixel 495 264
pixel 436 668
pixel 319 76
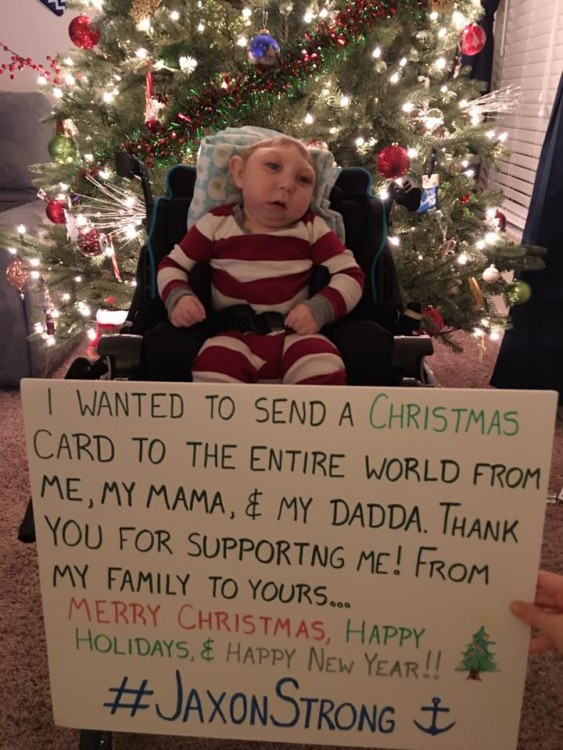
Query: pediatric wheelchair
pixel 150 348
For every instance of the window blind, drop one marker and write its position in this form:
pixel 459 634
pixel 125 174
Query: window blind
pixel 528 54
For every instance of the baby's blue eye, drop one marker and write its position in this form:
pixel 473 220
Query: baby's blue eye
pixel 306 180
pixel 272 165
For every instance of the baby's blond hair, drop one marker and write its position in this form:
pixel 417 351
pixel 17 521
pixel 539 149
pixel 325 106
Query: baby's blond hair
pixel 279 140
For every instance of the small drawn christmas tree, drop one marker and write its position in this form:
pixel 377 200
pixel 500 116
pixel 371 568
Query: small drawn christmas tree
pixel 477 657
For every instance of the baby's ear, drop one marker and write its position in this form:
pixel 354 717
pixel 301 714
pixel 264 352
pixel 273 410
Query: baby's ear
pixel 236 168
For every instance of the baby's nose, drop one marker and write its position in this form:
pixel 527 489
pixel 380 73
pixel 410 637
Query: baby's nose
pixel 287 183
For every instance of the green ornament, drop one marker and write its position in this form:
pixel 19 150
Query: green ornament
pixel 518 293
pixel 62 149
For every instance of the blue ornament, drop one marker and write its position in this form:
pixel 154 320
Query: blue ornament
pixel 263 50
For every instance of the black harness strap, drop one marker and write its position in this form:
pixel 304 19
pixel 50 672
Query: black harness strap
pixel 243 318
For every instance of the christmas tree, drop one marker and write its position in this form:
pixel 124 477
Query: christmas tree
pixel 379 82
pixel 477 657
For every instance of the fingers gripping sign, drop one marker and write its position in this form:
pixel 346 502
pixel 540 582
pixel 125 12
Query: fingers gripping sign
pixel 545 614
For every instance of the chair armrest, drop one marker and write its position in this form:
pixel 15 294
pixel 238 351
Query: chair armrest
pixel 122 352
pixel 419 346
pixel 408 356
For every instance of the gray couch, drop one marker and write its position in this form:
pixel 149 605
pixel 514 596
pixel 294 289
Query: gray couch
pixel 23 141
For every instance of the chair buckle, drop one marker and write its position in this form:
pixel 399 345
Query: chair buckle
pixel 268 322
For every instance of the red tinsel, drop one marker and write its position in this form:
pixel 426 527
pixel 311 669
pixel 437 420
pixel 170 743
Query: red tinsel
pixel 209 107
pixel 433 322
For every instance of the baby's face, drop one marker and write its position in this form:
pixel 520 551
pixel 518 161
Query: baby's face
pixel 277 185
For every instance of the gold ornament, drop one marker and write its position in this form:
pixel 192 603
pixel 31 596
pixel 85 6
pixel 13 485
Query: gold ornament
pixel 143 9
pixel 476 292
pixel 441 6
pixel 16 275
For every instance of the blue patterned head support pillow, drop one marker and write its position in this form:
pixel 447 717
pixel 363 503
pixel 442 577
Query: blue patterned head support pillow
pixel 214 185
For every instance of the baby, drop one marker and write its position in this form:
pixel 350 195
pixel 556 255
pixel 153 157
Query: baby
pixel 262 254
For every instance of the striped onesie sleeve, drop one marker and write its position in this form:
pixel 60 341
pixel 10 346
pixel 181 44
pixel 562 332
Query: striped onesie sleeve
pixel 174 269
pixel 344 290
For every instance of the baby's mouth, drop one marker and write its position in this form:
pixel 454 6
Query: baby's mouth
pixel 281 204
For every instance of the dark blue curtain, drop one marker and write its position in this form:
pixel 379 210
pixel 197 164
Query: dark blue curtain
pixel 531 355
pixel 482 64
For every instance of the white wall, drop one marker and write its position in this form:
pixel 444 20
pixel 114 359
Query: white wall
pixel 30 29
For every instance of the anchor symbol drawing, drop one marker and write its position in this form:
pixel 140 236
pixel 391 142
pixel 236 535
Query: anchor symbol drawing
pixel 433 729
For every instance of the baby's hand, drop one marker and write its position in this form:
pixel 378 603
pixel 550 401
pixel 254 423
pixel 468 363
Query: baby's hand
pixel 302 320
pixel 187 311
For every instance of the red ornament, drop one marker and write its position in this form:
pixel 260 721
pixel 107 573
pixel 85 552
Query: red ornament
pixel 153 105
pixel 82 34
pixel 49 324
pixel 393 161
pixel 499 221
pixel 92 243
pixel 472 39
pixel 432 320
pixel 464 200
pixel 56 211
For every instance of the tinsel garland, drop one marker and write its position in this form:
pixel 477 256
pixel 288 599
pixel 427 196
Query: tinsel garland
pixel 213 108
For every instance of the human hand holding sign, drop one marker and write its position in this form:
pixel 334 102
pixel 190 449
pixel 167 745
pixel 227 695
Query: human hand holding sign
pixel 545 614
pixel 187 311
pixel 302 320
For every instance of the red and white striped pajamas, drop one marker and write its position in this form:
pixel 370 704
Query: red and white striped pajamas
pixel 269 272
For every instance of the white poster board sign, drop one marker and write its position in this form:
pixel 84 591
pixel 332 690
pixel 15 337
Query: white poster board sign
pixel 298 564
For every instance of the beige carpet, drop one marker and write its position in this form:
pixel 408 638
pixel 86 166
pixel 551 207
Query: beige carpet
pixel 25 712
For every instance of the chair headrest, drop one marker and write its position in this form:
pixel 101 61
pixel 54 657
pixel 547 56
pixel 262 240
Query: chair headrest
pixel 181 181
pixel 354 181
